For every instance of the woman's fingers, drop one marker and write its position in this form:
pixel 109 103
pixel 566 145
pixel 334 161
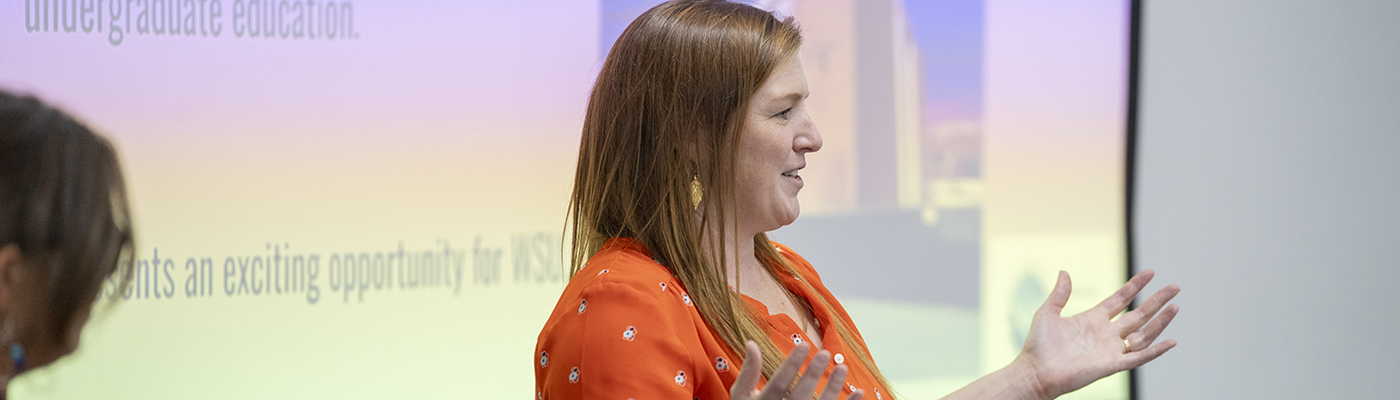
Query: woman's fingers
pixel 1119 300
pixel 746 385
pixel 834 384
pixel 1142 339
pixel 808 383
pixel 1133 320
pixel 1138 358
pixel 777 387
pixel 1059 296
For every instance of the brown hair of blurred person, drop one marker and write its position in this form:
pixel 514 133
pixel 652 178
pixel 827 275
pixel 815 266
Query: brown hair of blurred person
pixel 668 109
pixel 65 230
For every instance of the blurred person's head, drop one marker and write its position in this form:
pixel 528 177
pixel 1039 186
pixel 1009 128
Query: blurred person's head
pixel 64 230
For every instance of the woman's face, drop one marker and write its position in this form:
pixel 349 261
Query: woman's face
pixel 777 135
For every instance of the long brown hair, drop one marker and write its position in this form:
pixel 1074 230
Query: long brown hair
pixel 63 202
pixel 667 109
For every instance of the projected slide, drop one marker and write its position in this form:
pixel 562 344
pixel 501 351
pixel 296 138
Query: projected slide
pixel 365 199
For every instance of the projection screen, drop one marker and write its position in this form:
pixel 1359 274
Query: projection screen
pixel 365 199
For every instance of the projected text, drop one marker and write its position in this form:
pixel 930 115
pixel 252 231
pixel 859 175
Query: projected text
pixel 279 270
pixel 267 19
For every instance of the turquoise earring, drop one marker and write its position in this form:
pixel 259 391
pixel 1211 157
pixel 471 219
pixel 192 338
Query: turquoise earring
pixel 17 357
pixel 16 350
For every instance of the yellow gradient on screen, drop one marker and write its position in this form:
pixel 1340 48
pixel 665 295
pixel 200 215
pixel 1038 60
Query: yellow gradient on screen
pixel 1056 88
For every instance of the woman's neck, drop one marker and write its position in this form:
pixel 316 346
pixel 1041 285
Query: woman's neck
pixel 746 274
pixel 740 259
pixel 737 258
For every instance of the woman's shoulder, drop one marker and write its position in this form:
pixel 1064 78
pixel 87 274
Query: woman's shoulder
pixel 624 327
pixel 623 279
pixel 623 262
pixel 798 263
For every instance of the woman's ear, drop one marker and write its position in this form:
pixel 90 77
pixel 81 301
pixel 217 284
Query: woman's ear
pixel 10 270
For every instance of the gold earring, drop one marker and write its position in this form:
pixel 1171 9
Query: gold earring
pixel 696 193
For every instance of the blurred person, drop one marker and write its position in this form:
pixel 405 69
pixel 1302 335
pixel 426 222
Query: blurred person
pixel 693 142
pixel 65 231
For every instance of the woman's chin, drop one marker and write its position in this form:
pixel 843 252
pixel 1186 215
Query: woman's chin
pixel 788 216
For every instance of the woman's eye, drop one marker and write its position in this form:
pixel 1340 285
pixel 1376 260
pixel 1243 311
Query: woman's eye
pixel 784 114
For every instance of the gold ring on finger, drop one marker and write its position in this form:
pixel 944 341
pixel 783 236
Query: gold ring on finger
pixel 1127 347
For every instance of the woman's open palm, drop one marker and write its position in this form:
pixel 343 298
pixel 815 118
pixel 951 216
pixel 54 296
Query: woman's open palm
pixel 1068 353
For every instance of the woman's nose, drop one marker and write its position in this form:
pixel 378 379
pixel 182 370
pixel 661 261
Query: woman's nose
pixel 808 138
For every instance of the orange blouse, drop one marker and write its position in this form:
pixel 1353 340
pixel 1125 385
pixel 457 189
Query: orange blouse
pixel 626 329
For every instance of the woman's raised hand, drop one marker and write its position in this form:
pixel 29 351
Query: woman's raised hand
pixel 778 387
pixel 1067 353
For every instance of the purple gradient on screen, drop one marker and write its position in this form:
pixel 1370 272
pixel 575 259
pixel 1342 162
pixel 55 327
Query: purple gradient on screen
pixel 949 34
pixel 446 69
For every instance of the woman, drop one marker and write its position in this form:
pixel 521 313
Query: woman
pixel 64 231
pixel 692 145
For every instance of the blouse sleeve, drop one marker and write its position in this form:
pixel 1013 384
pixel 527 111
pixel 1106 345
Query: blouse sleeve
pixel 622 343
